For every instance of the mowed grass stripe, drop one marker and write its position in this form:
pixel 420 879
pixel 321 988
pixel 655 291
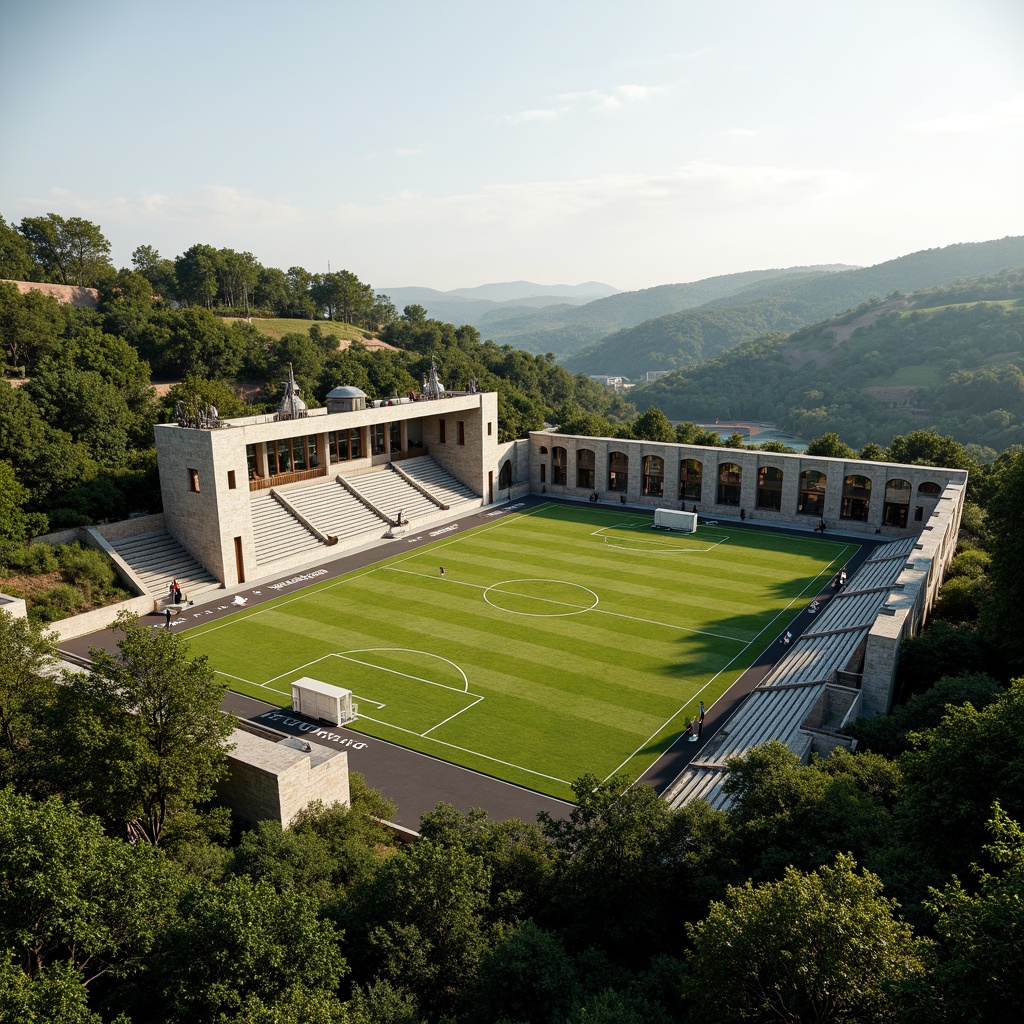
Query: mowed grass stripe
pixel 564 691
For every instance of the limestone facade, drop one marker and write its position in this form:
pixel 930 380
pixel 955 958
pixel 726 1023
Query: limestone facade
pixel 208 475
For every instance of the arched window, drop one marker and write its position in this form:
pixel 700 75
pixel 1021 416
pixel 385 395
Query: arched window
pixel 856 498
pixel 585 468
pixel 929 489
pixel 618 471
pixel 505 475
pixel 543 449
pixel 730 481
pixel 654 476
pixel 897 503
pixel 812 493
pixel 769 488
pixel 691 473
pixel 559 462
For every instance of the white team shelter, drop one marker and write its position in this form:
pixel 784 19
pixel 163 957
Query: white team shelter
pixel 322 701
pixel 673 519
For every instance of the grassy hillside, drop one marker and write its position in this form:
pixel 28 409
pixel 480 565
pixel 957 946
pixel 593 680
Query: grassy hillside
pixel 684 339
pixel 918 361
pixel 276 328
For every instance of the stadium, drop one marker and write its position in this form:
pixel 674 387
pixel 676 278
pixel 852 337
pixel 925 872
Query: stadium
pixel 520 614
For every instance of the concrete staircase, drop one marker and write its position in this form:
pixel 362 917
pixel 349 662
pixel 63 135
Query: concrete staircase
pixel 157 558
pixel 437 481
pixel 334 511
pixel 276 532
pixel 389 492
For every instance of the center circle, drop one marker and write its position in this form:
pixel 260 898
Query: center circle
pixel 540 597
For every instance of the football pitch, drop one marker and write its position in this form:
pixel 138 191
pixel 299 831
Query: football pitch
pixel 559 641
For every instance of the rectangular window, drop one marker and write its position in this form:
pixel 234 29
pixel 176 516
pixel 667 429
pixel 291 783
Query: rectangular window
pixel 462 432
pixel 440 431
pixel 355 443
pixel 231 479
pixel 193 480
pixel 489 424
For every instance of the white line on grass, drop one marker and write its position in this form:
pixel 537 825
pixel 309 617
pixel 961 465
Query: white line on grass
pixel 450 717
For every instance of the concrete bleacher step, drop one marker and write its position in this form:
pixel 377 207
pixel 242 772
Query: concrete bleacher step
pixel 276 532
pixel 436 480
pixel 334 511
pixel 390 493
pixel 157 558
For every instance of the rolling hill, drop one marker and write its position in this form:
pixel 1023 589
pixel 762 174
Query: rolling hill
pixel 948 359
pixel 685 338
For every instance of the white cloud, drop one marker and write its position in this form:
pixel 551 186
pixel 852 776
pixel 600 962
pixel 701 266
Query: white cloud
pixel 403 153
pixel 592 100
pixel 1005 115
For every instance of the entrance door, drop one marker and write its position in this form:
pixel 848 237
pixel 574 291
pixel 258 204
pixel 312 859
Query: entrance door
pixel 239 562
pixel 490 487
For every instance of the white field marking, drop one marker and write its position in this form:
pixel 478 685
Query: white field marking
pixel 600 611
pixel 466 750
pixel 369 700
pixel 577 609
pixel 344 655
pixel 450 717
pixel 662 549
pixel 696 695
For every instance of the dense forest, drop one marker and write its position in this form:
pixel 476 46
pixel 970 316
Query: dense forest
pixel 879 885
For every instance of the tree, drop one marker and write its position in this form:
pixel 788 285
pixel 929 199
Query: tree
pixel 238 942
pixel 26 687
pixel 196 273
pixel 56 995
pixel 981 931
pixel 419 922
pixel 15 261
pixel 609 859
pixel 831 447
pixel 72 251
pixel 1005 612
pixel 143 739
pixel 926 448
pixel 653 425
pixel 69 893
pixel 30 326
pixel 822 946
pixel 957 771
pixel 16 525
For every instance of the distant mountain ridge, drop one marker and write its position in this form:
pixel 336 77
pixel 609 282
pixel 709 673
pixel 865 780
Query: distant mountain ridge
pixel 686 338
pixel 563 325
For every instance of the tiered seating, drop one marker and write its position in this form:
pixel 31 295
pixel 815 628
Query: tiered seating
pixel 276 532
pixel 799 696
pixel 437 481
pixel 389 493
pixel 157 558
pixel 333 511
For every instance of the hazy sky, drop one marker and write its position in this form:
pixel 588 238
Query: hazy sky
pixel 450 144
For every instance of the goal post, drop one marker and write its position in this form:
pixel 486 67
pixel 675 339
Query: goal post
pixel 673 519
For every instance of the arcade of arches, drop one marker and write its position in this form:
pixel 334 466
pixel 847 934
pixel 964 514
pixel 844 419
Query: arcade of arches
pixel 855 502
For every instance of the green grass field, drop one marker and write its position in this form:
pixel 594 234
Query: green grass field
pixel 560 641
